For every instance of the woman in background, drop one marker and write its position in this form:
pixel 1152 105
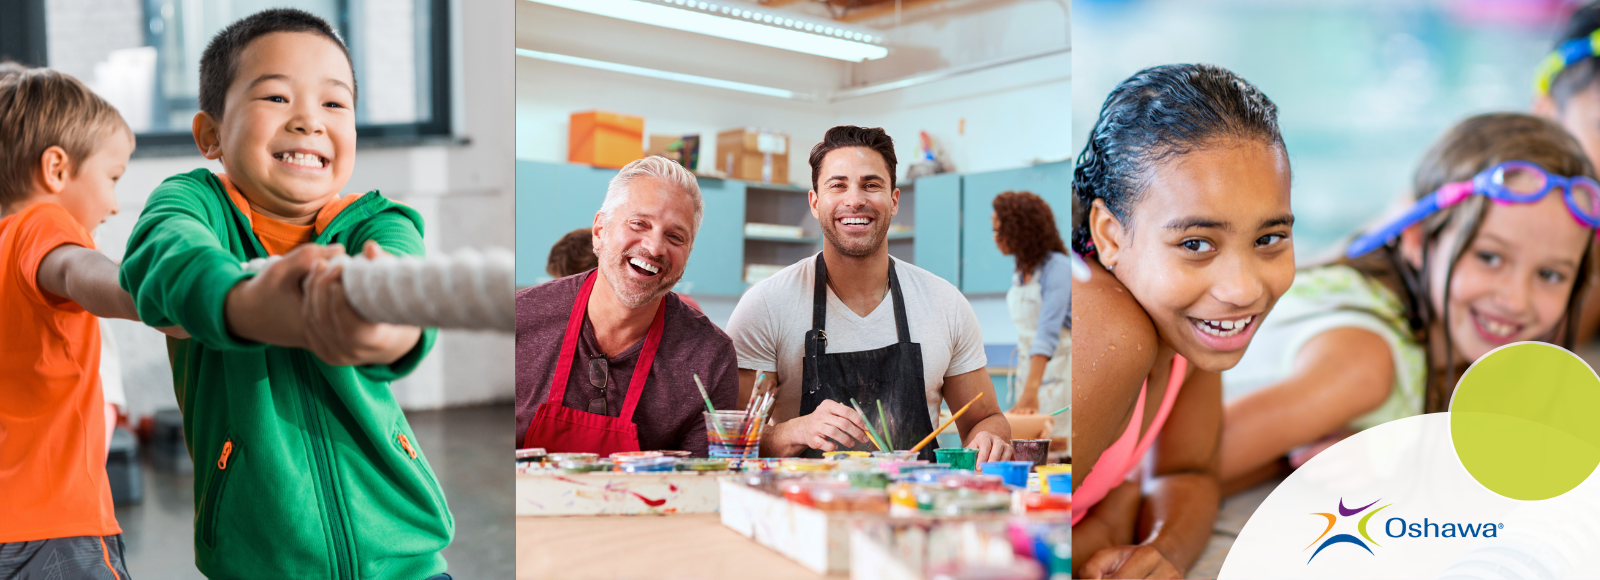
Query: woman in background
pixel 1040 301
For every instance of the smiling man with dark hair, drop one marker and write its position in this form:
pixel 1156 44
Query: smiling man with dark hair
pixel 833 328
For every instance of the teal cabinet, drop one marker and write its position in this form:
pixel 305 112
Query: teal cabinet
pixel 716 265
pixel 950 213
pixel 984 270
pixel 938 217
pixel 553 199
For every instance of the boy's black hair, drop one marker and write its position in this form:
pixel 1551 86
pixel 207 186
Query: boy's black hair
pixel 874 138
pixel 1584 73
pixel 1156 114
pixel 220 61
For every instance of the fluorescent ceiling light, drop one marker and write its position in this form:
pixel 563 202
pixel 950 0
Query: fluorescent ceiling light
pixel 739 24
pixel 665 75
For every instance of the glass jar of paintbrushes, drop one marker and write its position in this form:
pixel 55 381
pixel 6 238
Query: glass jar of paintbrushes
pixel 737 434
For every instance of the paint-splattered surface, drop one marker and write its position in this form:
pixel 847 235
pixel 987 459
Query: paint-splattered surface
pixel 679 546
pixel 610 493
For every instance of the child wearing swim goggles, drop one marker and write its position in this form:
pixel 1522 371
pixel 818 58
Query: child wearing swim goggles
pixel 1181 210
pixel 1494 251
pixel 1567 91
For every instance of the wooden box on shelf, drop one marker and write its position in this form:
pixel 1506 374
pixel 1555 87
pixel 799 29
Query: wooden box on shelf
pixel 605 139
pixel 754 155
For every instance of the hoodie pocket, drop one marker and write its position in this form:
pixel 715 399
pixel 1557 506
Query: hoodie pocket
pixel 213 500
pixel 407 446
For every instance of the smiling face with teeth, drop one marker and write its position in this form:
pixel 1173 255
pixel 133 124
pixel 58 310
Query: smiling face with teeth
pixel 853 201
pixel 1206 250
pixel 1508 285
pixel 644 246
pixel 287 135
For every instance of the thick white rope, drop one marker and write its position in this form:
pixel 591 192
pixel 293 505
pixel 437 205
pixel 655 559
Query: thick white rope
pixel 468 290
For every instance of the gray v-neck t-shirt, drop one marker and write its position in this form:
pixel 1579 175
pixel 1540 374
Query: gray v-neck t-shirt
pixel 769 326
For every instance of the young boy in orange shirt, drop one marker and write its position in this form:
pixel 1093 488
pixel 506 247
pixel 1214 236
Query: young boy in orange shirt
pixel 64 150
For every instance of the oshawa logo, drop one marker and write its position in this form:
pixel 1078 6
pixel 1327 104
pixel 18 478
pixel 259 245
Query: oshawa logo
pixel 1395 528
pixel 1345 538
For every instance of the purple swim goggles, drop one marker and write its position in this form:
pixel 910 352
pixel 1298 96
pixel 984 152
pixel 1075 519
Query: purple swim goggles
pixel 1508 182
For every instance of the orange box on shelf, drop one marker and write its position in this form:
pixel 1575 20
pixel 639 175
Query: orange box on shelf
pixel 605 139
pixel 754 155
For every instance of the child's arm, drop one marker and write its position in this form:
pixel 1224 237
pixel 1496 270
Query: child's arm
pixel 337 334
pixel 381 352
pixel 1338 375
pixel 1113 349
pixel 88 278
pixel 1176 517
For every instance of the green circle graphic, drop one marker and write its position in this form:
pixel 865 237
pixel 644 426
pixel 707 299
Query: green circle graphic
pixel 1525 421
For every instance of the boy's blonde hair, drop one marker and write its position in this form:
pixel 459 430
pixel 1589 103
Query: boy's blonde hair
pixel 42 108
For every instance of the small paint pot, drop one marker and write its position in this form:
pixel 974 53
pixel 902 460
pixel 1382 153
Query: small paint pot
pixel 968 506
pixel 934 475
pixel 585 465
pixel 649 465
pixel 957 457
pixel 560 457
pixel 1057 483
pixel 1013 472
pixel 921 466
pixel 1046 502
pixel 975 481
pixel 702 465
pixel 837 455
pixel 895 455
pixel 531 455
pixel 1034 450
pixel 793 465
pixel 868 479
pixel 905 467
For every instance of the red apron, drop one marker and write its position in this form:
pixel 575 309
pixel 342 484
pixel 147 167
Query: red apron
pixel 560 429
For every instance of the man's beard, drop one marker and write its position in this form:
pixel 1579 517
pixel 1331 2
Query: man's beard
pixel 859 247
pixel 630 290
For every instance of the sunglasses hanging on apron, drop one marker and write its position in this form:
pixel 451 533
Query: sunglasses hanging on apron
pixel 561 429
pixel 890 376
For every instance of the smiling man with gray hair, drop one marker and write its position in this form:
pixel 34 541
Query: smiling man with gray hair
pixel 606 358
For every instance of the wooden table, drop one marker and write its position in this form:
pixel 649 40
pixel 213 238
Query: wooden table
pixel 670 547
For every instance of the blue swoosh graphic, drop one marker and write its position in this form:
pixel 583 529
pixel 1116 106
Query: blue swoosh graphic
pixel 1346 512
pixel 1340 539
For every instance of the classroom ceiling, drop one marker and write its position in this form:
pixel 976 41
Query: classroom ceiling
pixel 855 10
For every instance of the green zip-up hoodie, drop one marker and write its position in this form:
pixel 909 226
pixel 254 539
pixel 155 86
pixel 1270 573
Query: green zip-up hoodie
pixel 302 470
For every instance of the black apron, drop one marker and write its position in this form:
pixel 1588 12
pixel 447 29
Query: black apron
pixel 891 375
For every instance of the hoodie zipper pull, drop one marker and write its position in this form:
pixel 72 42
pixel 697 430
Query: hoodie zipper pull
pixel 406 443
pixel 227 449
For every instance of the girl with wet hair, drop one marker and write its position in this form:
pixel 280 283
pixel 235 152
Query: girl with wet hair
pixel 1181 207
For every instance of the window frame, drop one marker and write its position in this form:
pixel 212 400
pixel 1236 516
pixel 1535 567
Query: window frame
pixel 173 143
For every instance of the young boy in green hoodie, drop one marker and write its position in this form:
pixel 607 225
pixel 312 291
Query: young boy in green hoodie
pixel 305 465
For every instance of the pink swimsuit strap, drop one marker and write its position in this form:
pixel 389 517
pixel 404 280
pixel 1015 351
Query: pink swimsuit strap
pixel 1123 455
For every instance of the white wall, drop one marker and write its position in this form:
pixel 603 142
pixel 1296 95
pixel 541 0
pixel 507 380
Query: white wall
pixel 464 193
pixel 1014 114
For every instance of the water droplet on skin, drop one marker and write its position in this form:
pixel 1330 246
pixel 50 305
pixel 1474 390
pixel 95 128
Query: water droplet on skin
pixel 1113 347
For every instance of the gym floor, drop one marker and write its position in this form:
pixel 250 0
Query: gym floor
pixel 470 451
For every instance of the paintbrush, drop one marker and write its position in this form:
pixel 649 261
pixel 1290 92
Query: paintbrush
pixel 709 409
pixel 874 438
pixel 946 424
pixel 1061 410
pixel 883 420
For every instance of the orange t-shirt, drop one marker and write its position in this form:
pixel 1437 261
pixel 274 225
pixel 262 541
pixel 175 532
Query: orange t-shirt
pixel 52 411
pixel 279 237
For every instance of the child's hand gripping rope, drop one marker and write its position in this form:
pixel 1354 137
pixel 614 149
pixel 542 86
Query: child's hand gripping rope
pixel 467 290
